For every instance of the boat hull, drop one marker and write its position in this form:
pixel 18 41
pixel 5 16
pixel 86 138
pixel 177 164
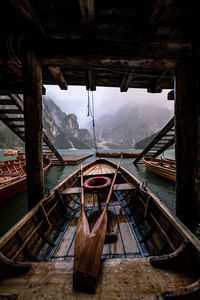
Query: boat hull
pixel 108 154
pixel 12 190
pixel 15 184
pixel 165 172
pixel 152 244
pixel 130 155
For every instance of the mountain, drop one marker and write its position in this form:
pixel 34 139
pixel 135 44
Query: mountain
pixel 130 125
pixel 122 130
pixel 145 142
pixel 62 129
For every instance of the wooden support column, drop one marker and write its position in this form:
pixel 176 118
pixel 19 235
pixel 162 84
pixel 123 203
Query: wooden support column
pixel 32 73
pixel 187 126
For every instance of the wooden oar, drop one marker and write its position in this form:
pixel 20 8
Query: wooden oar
pixel 88 248
pixel 82 231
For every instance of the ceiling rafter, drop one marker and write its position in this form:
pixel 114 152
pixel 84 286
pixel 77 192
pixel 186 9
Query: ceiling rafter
pixel 159 9
pixel 128 76
pixel 58 77
pixel 157 86
pixel 26 12
pixel 87 17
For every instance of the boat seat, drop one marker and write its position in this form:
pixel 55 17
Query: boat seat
pixel 124 187
pixel 117 187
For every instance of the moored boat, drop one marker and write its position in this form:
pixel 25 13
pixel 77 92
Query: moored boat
pixel 13 178
pixel 130 154
pixel 154 256
pixel 10 152
pixel 108 154
pixel 173 161
pixel 161 167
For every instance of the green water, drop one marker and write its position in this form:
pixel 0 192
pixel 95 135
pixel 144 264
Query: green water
pixel 14 210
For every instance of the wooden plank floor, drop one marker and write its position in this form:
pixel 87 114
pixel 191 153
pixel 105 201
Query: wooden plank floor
pixel 125 246
pixel 99 169
pixel 71 159
pixel 120 279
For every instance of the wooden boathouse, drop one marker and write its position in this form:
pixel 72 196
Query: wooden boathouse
pixel 152 45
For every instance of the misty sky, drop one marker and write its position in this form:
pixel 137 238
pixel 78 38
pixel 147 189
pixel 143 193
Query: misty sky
pixel 106 100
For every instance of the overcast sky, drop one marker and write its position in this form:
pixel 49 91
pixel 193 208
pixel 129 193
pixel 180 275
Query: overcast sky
pixel 106 100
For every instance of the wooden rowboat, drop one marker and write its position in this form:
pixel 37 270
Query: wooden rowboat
pixel 130 155
pixel 13 178
pixel 161 167
pixel 10 152
pixel 173 161
pixel 108 154
pixel 154 257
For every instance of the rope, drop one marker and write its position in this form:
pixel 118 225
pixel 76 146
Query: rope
pixel 91 113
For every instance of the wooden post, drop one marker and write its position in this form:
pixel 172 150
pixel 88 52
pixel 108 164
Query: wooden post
pixel 32 73
pixel 187 141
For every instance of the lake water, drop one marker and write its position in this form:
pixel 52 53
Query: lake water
pixel 17 208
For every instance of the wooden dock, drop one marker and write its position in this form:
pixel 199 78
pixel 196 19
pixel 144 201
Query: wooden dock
pixel 71 159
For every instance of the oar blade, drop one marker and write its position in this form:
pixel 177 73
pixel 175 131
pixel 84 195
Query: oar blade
pixel 82 235
pixel 86 276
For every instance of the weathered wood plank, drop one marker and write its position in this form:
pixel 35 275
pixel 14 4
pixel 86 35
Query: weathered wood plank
pixel 187 114
pixel 25 11
pixel 87 17
pixel 58 77
pixel 32 74
pixel 128 76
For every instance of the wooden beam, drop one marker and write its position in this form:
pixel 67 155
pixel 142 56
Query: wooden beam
pixel 78 55
pixel 126 81
pixel 87 17
pixel 165 147
pixel 32 73
pixel 159 9
pixel 53 149
pixel 170 95
pixel 158 137
pixel 6 102
pixel 58 77
pixel 27 13
pixel 157 86
pixel 17 101
pixel 6 89
pixel 91 80
pixel 187 127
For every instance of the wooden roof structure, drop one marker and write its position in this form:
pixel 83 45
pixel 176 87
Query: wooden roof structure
pixel 125 44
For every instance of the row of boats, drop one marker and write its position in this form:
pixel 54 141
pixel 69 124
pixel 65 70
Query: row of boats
pixel 163 167
pixel 101 231
pixel 13 175
pixel 13 178
pixel 118 154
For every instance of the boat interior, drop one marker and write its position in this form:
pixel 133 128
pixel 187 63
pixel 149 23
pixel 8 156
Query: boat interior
pixel 164 163
pixel 138 220
pixel 12 167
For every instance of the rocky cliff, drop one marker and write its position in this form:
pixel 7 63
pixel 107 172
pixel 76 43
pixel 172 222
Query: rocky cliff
pixel 63 130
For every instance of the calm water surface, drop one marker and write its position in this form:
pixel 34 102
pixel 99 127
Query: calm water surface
pixel 14 210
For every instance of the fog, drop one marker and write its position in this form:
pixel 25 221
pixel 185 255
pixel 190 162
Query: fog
pixel 106 100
